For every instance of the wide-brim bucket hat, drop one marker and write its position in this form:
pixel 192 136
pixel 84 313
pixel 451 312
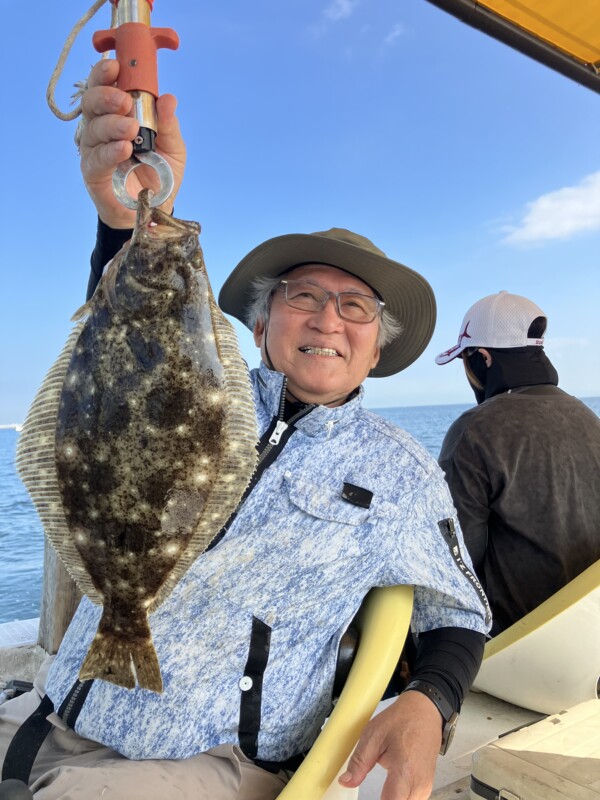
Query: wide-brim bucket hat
pixel 406 294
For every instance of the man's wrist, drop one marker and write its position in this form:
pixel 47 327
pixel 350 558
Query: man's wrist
pixel 448 713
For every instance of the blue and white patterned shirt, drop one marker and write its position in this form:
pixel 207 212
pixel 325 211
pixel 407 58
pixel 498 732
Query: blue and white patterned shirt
pixel 299 558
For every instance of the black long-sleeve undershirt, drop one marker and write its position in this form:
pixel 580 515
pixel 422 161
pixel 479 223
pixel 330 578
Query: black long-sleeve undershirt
pixel 447 658
pixel 108 243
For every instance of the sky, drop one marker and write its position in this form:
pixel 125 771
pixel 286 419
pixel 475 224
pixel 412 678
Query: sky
pixel 454 154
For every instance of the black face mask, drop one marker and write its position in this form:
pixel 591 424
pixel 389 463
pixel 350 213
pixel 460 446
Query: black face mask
pixel 480 370
pixel 511 367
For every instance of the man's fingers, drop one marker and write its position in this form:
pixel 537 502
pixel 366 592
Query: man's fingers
pixel 104 73
pixel 102 96
pixel 105 100
pixel 168 124
pixel 166 105
pixel 401 786
pixel 396 787
pixel 109 128
pixel 98 163
pixel 361 763
pixel 169 139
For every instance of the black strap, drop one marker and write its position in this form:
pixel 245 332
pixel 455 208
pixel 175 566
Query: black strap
pixel 291 764
pixel 251 687
pixel 26 742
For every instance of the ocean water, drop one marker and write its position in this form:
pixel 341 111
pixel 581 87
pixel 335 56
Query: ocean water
pixel 21 535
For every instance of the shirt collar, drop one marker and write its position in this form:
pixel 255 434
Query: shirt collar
pixel 320 419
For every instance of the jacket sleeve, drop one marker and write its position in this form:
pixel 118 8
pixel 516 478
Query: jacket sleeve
pixel 108 243
pixel 467 477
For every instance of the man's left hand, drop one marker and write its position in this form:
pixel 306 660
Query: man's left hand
pixel 405 739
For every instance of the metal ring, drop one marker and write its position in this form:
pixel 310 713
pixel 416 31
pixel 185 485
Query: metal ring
pixel 150 159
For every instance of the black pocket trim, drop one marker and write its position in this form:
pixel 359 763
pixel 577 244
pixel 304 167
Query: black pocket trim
pixel 251 696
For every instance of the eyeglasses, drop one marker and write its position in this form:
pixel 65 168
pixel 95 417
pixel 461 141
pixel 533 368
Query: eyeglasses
pixel 351 306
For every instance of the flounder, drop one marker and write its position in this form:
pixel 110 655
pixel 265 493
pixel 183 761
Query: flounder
pixel 141 440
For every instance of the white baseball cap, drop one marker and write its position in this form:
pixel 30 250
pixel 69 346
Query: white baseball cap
pixel 498 320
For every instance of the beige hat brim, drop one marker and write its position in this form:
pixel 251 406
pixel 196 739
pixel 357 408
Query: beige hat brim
pixel 406 294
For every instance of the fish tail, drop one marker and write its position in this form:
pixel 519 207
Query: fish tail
pixel 146 665
pixel 121 660
pixel 109 658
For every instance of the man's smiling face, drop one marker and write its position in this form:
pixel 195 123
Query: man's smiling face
pixel 324 356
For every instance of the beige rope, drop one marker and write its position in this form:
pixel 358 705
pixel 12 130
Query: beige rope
pixel 80 85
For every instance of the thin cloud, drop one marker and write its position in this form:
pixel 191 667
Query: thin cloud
pixel 340 9
pixel 393 35
pixel 336 10
pixel 560 214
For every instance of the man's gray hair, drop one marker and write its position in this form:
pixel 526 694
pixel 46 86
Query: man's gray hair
pixel 260 308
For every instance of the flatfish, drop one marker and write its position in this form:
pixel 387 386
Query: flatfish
pixel 141 440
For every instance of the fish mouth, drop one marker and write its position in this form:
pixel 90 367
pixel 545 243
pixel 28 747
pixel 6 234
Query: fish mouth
pixel 319 351
pixel 158 224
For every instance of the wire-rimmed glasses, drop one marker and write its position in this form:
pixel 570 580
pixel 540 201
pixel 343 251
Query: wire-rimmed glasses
pixel 352 306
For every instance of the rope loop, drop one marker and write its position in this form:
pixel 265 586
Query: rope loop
pixel 80 86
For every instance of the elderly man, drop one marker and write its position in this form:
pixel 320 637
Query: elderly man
pixel 343 501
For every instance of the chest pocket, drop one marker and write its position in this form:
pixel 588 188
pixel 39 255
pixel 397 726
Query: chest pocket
pixel 325 503
pixel 319 520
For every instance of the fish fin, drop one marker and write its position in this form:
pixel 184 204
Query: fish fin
pixel 81 312
pixel 121 660
pixel 109 659
pixel 36 467
pixel 146 665
pixel 106 284
pixel 240 458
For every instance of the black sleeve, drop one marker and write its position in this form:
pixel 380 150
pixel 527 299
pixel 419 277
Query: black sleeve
pixel 448 659
pixel 108 243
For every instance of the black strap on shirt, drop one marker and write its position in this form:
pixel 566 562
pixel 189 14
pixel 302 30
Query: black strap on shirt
pixel 25 744
pixel 251 687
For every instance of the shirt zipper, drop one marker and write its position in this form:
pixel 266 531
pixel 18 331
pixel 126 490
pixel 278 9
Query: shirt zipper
pixel 76 691
pixel 73 702
pixel 274 442
pixel 281 426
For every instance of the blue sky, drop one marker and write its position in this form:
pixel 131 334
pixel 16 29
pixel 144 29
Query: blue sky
pixel 456 155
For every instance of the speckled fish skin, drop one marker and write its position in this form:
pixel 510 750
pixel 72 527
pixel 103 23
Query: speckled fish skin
pixel 154 439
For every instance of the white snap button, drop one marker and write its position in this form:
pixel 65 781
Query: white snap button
pixel 245 683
